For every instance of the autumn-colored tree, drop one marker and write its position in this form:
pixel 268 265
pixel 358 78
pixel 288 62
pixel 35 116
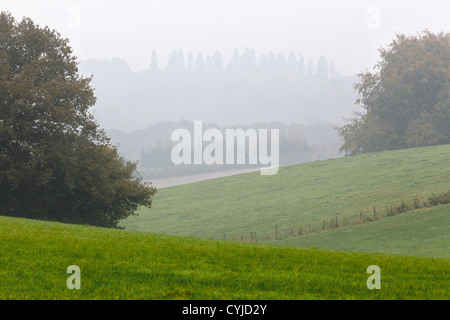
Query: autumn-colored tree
pixel 55 161
pixel 406 100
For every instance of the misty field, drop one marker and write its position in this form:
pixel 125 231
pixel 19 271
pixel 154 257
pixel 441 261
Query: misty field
pixel 298 196
pixel 116 264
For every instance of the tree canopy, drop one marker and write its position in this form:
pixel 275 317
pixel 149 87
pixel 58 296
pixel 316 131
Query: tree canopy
pixel 56 163
pixel 406 100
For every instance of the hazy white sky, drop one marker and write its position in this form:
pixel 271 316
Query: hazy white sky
pixel 349 32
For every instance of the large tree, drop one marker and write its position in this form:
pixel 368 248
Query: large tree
pixel 55 161
pixel 406 100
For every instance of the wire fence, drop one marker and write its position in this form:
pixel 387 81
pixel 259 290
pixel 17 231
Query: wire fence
pixel 340 221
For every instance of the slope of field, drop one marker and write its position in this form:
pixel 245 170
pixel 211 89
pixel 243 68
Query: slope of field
pixel 115 264
pixel 308 193
pixel 424 233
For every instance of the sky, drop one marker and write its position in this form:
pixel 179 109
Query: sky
pixel 347 32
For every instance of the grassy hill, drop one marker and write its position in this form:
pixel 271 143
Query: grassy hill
pixel 116 264
pixel 297 196
pixel 424 233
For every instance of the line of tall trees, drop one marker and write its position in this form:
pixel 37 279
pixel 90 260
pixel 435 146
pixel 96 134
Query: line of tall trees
pixel 247 89
pixel 245 61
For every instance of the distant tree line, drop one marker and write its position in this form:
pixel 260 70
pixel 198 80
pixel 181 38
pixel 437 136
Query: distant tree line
pixel 155 161
pixel 249 88
pixel 246 62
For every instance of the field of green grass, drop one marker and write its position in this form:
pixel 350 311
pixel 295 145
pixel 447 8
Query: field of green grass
pixel 117 264
pixel 422 233
pixel 299 195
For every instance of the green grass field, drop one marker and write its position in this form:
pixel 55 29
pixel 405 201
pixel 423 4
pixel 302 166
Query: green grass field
pixel 423 233
pixel 412 249
pixel 298 195
pixel 116 264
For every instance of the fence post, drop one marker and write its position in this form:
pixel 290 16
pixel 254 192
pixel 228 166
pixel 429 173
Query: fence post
pixel 337 224
pixel 276 232
pixel 224 236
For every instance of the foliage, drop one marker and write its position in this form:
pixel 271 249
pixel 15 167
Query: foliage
pixel 438 200
pixel 406 101
pixel 56 163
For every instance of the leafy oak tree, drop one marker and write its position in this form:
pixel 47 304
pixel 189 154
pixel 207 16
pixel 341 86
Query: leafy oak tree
pixel 406 100
pixel 55 161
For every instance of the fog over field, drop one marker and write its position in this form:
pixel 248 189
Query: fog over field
pixel 228 63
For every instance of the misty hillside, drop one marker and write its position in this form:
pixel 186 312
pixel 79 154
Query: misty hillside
pixel 152 146
pixel 248 89
pixel 132 145
pixel 299 198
